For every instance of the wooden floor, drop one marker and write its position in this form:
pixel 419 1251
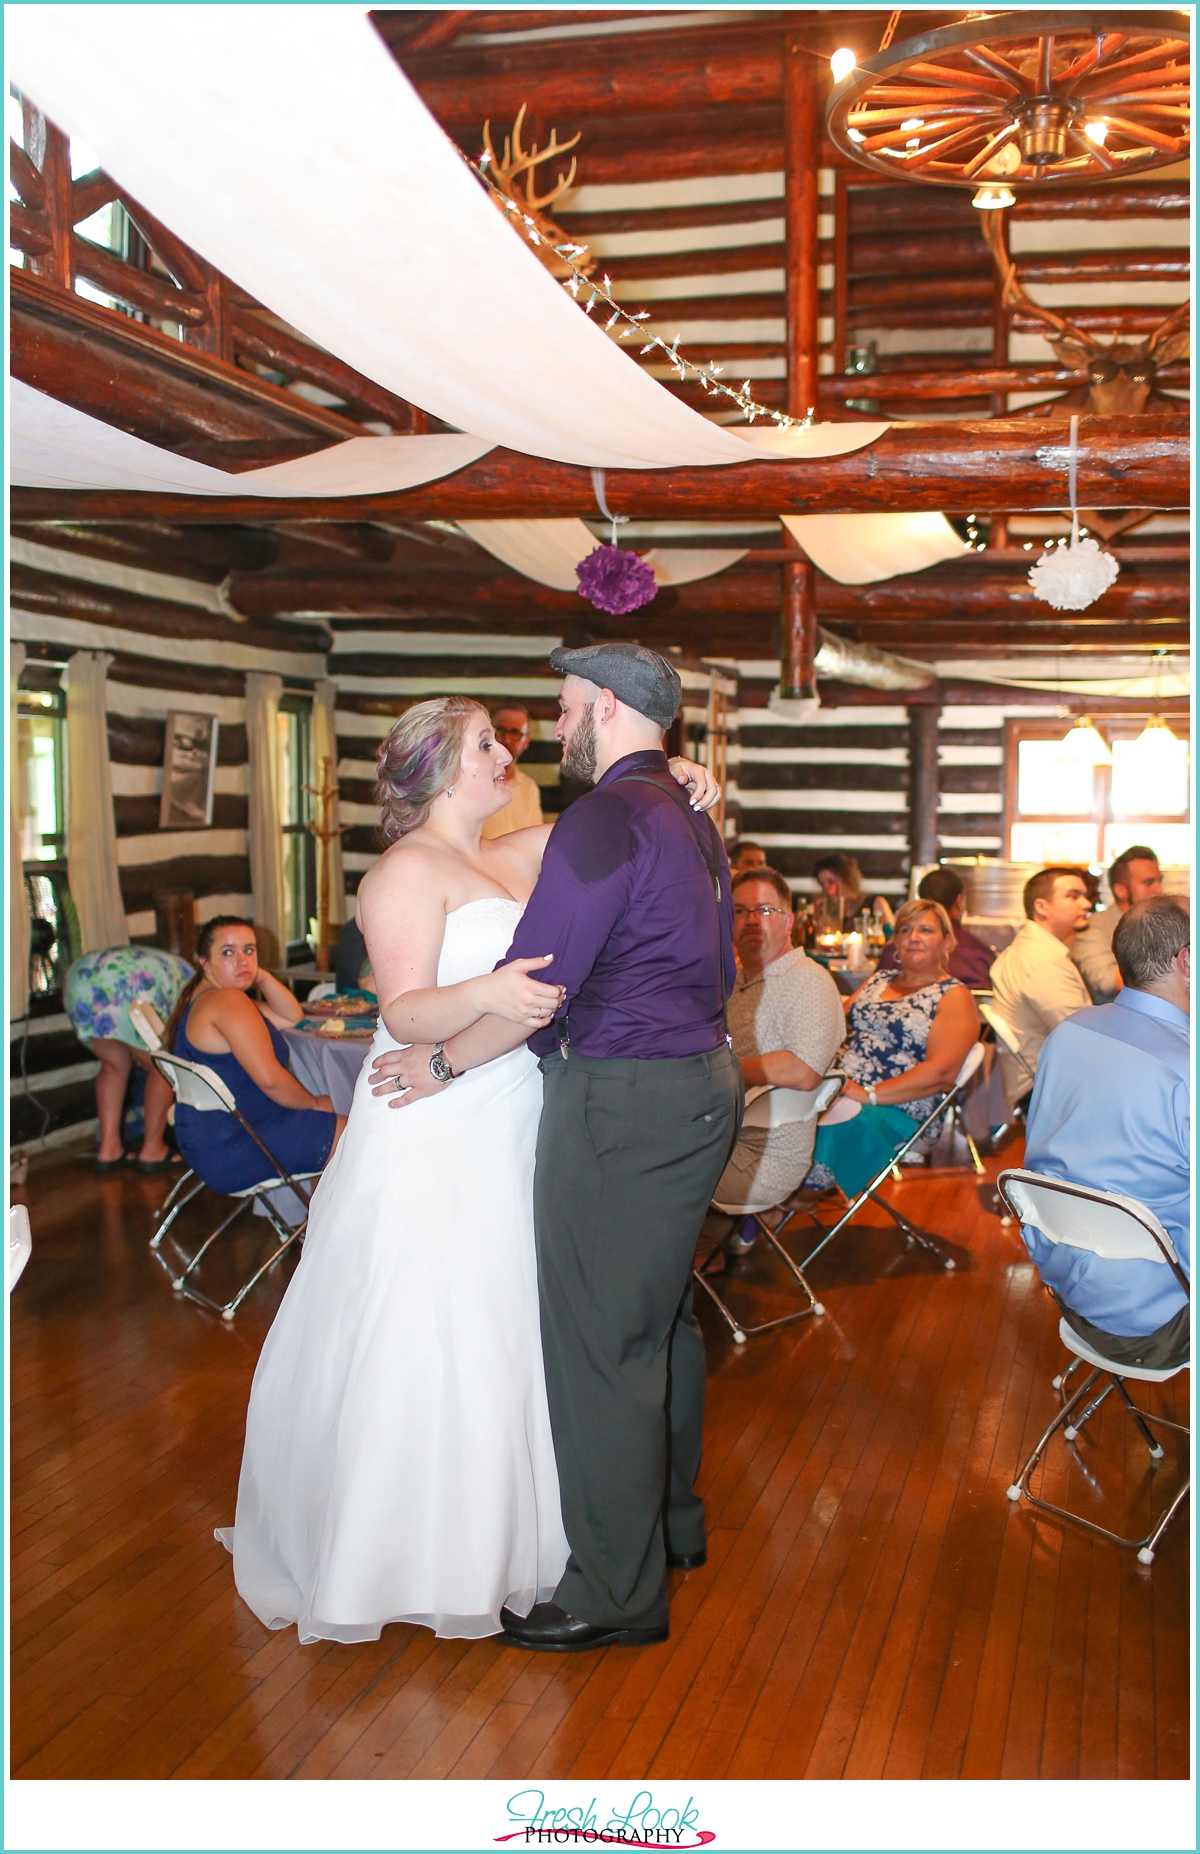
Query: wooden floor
pixel 871 1607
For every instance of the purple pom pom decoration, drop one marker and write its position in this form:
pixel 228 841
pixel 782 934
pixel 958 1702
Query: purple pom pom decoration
pixel 616 581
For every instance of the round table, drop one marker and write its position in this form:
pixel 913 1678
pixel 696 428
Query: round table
pixel 847 979
pixel 327 1064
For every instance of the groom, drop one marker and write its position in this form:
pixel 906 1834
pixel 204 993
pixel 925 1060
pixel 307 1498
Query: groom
pixel 642 1103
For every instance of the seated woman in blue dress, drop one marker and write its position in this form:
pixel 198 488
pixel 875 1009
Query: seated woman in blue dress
pixel 216 1023
pixel 910 1033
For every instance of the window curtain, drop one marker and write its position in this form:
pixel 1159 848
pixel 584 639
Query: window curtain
pixel 18 901
pixel 92 870
pixel 266 837
pixel 324 747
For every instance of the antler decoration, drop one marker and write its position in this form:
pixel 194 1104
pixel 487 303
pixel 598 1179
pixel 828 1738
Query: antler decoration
pixel 995 230
pixel 1121 373
pixel 513 175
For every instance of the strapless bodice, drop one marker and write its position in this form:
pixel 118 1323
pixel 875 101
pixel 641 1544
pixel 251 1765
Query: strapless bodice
pixel 477 937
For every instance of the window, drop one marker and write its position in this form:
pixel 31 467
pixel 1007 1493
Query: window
pixel 41 774
pixel 41 806
pixel 295 807
pixel 1059 811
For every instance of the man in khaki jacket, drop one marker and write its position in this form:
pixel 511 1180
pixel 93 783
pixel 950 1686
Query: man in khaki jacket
pixel 1034 981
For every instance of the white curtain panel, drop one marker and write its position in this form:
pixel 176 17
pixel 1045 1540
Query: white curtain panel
pixel 266 837
pixel 859 549
pixel 549 552
pixel 55 446
pixel 18 901
pixel 324 747
pixel 92 870
pixel 286 146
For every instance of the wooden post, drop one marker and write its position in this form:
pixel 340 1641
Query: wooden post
pixel 801 155
pixel 923 781
pixel 50 152
pixel 326 832
pixel 798 632
pixel 798 602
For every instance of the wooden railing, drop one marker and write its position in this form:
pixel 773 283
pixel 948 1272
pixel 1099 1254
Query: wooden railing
pixel 173 285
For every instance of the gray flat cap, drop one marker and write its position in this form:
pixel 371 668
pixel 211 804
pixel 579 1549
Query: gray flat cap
pixel 638 677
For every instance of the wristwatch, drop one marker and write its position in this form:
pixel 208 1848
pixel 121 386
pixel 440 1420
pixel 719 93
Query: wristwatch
pixel 439 1066
pixel 868 1090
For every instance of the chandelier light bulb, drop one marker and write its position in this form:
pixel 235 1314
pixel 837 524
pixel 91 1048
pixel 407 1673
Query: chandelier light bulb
pixel 842 63
pixel 1096 132
pixel 993 199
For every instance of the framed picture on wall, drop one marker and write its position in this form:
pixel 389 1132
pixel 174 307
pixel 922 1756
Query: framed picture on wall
pixel 189 769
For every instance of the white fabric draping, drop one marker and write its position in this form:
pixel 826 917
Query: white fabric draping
pixel 18 900
pixel 55 446
pixel 855 549
pixel 92 871
pixel 549 552
pixel 324 747
pixel 302 163
pixel 859 549
pixel 265 834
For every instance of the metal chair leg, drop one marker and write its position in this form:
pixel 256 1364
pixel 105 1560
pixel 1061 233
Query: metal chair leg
pixel 242 1205
pixel 1140 1421
pixel 1072 1429
pixel 170 1210
pixel 230 1309
pixel 1019 1489
pixel 976 1161
pixel 912 1234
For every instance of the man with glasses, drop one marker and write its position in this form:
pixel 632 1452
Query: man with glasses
pixel 511 725
pixel 786 1021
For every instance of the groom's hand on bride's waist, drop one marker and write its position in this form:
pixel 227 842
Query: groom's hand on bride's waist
pixel 403 1075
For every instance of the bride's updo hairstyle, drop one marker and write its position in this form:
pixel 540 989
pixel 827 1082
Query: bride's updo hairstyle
pixel 419 760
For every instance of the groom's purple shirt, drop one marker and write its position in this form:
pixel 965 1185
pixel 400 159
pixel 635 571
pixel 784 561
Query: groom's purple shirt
pixel 626 904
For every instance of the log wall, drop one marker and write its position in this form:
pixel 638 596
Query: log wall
pixel 172 647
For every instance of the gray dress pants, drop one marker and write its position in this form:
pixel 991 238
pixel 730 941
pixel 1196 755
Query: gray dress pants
pixel 629 1153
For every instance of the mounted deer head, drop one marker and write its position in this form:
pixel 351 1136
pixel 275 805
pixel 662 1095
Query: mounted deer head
pixel 514 175
pixel 1120 373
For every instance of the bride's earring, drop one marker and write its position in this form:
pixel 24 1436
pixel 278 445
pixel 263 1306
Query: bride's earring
pixel 449 791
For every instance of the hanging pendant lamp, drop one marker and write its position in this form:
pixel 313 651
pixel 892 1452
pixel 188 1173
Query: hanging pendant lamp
pixel 1083 746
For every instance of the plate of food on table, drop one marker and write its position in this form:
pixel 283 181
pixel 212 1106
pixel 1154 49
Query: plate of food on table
pixel 352 1014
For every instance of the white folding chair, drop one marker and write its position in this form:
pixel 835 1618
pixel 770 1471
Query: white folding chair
pixel 1003 1032
pixel 910 1231
pixel 770 1107
pixel 1118 1229
pixel 197 1086
pixel 149 1026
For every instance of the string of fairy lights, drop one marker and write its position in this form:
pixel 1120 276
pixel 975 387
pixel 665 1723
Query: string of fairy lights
pixel 627 323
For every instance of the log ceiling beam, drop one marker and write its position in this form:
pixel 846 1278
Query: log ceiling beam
pixel 1004 465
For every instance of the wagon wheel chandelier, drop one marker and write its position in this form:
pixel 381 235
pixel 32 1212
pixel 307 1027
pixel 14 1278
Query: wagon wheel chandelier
pixel 1021 99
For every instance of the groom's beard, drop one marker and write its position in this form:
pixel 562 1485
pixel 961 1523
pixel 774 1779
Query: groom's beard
pixel 579 750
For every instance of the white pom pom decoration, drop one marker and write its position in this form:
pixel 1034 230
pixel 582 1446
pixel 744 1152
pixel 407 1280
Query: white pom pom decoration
pixel 1071 578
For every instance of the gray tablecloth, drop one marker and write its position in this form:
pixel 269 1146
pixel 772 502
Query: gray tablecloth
pixel 327 1064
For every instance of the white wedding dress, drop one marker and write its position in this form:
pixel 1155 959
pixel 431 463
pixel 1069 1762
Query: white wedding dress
pixel 398 1463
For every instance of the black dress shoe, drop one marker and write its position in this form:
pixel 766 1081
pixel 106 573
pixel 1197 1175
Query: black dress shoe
pixel 550 1628
pixel 687 1560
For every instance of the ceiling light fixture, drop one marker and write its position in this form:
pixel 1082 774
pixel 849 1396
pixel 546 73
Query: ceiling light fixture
pixel 993 199
pixel 1096 132
pixel 842 63
pixel 1083 746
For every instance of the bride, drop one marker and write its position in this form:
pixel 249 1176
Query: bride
pixel 398 1464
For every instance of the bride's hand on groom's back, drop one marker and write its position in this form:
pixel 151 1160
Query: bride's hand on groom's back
pixel 702 789
pixel 512 992
pixel 403 1075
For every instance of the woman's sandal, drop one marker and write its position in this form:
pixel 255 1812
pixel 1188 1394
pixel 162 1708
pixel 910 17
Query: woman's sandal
pixel 149 1167
pixel 110 1165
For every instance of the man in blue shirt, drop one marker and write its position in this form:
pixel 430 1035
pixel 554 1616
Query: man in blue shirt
pixel 1111 1108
